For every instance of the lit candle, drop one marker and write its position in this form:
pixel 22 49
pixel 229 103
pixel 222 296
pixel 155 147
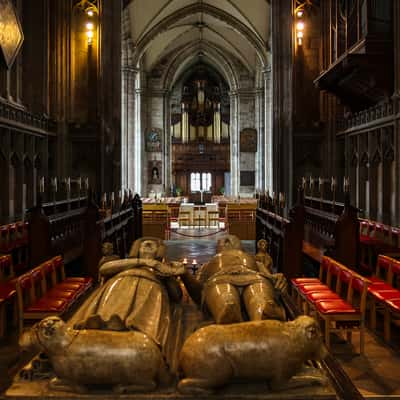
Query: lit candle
pixel 194 262
pixel 184 262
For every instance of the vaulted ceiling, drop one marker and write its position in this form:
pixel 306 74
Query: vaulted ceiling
pixel 235 29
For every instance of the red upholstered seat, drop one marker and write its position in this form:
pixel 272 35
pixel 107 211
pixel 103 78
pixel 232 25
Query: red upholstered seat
pixel 394 305
pixel 87 280
pixel 71 286
pixel 308 288
pixel 58 293
pixel 323 295
pixel 334 307
pixel 375 280
pixel 48 304
pixel 384 295
pixel 299 281
pixel 379 287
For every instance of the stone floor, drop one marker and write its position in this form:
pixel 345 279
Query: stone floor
pixel 376 374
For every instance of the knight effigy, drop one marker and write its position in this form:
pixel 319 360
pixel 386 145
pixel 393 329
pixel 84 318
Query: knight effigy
pixel 122 335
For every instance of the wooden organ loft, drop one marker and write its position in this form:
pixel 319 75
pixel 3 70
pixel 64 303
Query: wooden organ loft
pixel 200 132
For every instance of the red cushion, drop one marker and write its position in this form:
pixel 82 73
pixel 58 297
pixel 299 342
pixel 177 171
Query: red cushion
pixel 71 286
pixel 47 304
pixel 325 295
pixel 297 281
pixel 379 287
pixel 57 293
pixel 312 288
pixel 334 307
pixel 87 280
pixel 374 280
pixel 394 305
pixel 383 295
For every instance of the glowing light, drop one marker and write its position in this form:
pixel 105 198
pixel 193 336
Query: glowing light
pixel 89 26
pixel 300 26
pixel 300 13
pixel 89 34
pixel 90 13
pixel 299 34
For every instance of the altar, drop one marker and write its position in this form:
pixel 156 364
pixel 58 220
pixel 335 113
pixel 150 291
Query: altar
pixel 198 216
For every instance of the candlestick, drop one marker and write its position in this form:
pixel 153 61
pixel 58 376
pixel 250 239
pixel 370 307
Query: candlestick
pixel 193 267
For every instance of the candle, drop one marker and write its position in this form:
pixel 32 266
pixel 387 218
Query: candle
pixel 194 262
pixel 184 262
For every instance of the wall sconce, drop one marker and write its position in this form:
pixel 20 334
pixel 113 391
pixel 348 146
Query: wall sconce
pixel 90 32
pixel 299 13
pixel 300 32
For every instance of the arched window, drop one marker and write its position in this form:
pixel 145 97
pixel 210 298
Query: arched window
pixel 200 181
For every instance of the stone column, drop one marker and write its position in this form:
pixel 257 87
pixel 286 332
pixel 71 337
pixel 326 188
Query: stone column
pixel 167 150
pixel 234 145
pixel 127 127
pixel 136 156
pixel 282 97
pixel 260 155
pixel 267 165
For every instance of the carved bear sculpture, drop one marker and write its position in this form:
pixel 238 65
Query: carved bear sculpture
pixel 271 351
pixel 128 361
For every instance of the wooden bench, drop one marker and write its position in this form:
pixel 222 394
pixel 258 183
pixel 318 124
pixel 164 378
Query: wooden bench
pixel 338 298
pixel 241 220
pixel 46 291
pixel 7 291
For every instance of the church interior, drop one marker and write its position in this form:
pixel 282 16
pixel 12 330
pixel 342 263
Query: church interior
pixel 200 198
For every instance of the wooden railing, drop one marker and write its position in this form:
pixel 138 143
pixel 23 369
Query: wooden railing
pixel 309 231
pixel 79 233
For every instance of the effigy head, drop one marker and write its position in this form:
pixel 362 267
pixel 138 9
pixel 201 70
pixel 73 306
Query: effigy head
pixel 262 245
pixel 228 242
pixel 148 247
pixel 107 249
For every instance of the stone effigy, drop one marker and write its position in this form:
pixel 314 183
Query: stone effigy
pixel 128 336
pixel 233 275
pixel 136 295
pixel 263 257
pixel 128 361
pixel 271 351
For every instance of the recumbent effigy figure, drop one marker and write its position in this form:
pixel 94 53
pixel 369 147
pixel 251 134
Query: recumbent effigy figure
pixel 121 334
pixel 232 275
